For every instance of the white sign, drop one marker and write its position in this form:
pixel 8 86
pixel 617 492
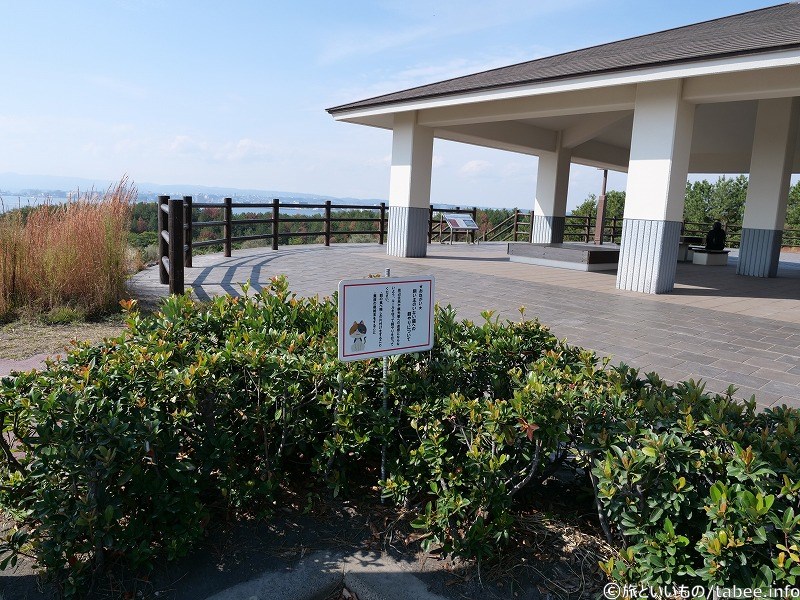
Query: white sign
pixel 385 316
pixel 455 221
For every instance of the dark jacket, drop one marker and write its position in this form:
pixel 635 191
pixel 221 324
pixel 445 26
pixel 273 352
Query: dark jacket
pixel 715 240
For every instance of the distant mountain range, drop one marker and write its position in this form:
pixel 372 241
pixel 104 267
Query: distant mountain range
pixel 14 184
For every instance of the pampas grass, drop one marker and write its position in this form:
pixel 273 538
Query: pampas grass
pixel 71 254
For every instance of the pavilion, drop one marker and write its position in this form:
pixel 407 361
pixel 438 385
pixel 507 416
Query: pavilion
pixel 720 96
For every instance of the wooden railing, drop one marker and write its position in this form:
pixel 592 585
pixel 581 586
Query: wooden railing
pixel 176 228
pixel 170 243
pixel 327 218
pixel 512 229
pixel 577 228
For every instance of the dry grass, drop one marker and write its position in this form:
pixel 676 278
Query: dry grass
pixel 71 254
pixel 25 338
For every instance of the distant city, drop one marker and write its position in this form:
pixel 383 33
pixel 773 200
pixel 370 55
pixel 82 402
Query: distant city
pixel 30 190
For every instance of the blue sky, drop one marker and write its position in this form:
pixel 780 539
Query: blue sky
pixel 232 94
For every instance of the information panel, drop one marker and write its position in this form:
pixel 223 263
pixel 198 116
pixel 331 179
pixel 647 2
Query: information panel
pixel 457 221
pixel 385 316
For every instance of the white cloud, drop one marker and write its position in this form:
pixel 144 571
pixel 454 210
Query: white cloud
pixel 411 21
pixel 517 169
pixel 386 82
pixel 475 167
pixel 380 161
pixel 244 150
pixel 184 145
pixel 241 151
pixel 369 42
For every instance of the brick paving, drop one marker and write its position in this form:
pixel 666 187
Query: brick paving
pixel 716 326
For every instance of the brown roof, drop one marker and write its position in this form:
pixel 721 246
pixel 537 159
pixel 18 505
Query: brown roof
pixel 767 29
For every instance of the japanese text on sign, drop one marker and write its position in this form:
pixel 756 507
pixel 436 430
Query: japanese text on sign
pixel 381 317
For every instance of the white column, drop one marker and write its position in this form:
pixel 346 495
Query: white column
pixel 768 189
pixel 550 207
pixel 409 187
pixel 657 172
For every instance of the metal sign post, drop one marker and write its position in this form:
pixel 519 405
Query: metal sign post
pixel 383 317
pixel 600 218
pixel 385 390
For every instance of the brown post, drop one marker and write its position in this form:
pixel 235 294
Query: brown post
pixel 382 224
pixel 175 246
pixel 227 233
pixel 516 223
pixel 187 229
pixel 600 218
pixel 614 229
pixel 327 222
pixel 475 219
pixel 163 224
pixel 276 221
pixel 430 223
pixel 530 232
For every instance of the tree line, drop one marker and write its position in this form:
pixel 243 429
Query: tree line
pixel 705 202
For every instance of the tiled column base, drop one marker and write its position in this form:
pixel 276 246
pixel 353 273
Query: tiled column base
pixel 759 252
pixel 547 230
pixel 408 232
pixel 648 256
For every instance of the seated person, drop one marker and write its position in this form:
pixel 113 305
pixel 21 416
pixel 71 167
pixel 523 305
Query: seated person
pixel 715 240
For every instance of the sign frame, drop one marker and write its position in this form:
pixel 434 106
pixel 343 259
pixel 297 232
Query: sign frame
pixel 356 294
pixel 460 222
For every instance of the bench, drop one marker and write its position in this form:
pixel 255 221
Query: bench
pixel 715 258
pixel 685 247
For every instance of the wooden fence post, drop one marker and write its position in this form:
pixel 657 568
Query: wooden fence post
pixel 588 234
pixel 475 219
pixel 530 232
pixel 187 229
pixel 516 223
pixel 175 246
pixel 382 224
pixel 327 222
pixel 276 221
pixel 227 233
pixel 163 274
pixel 430 223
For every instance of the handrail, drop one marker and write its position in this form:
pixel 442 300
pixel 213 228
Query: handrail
pixel 170 241
pixel 176 228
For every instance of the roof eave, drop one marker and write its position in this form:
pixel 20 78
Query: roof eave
pixel 721 63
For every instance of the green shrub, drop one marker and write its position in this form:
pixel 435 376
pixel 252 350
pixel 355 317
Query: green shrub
pixel 126 450
pixel 701 489
pixel 63 315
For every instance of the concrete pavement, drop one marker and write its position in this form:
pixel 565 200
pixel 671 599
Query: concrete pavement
pixel 716 326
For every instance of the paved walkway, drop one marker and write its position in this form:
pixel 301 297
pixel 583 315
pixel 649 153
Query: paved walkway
pixel 716 326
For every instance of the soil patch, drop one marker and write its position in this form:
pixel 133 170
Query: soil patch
pixel 23 339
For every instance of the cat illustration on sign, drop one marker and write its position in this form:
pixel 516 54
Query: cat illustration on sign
pixel 358 331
